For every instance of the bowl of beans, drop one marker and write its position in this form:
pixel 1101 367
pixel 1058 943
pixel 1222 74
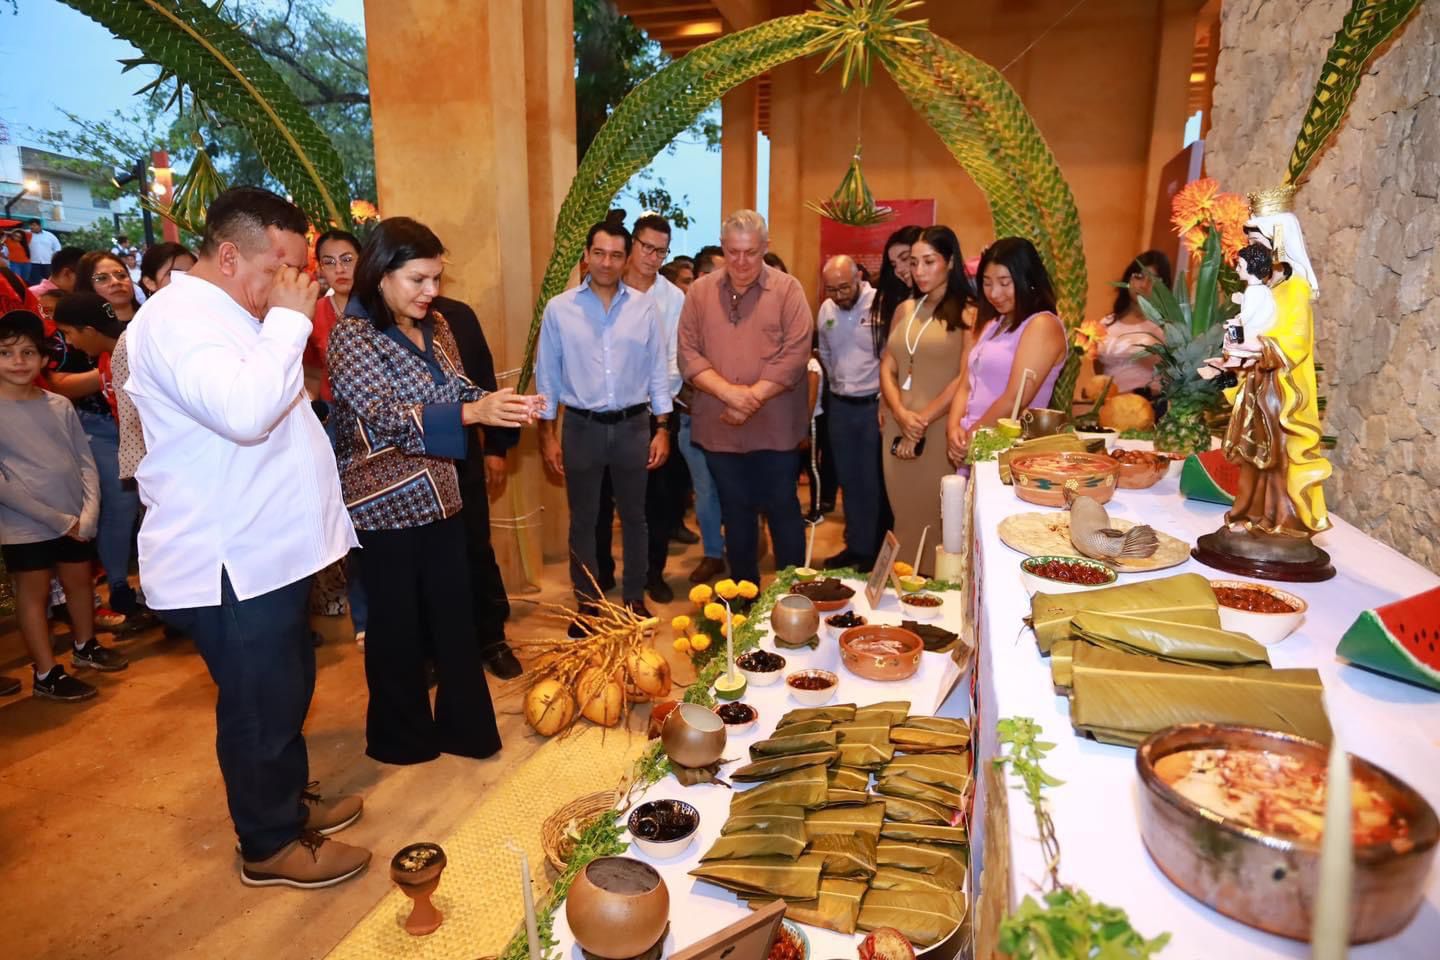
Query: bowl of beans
pixel 1140 469
pixel 1064 574
pixel 1266 614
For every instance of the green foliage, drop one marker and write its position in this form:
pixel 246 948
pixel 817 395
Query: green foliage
pixel 852 203
pixel 101 234
pixel 658 200
pixel 1366 27
pixel 193 43
pixel 1071 926
pixel 1193 326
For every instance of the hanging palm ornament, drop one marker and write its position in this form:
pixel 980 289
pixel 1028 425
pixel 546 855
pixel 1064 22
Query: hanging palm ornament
pixel 201 184
pixel 852 203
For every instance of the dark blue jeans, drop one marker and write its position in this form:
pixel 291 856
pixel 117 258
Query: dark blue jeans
pixel 855 443
pixel 119 499
pixel 260 656
pixel 761 482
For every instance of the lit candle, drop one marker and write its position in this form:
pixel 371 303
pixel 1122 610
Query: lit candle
pixel 532 932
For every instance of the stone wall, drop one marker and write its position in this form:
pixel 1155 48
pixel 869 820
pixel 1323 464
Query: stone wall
pixel 1372 227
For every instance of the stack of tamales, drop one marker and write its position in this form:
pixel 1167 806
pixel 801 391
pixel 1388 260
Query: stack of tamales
pixel 1143 656
pixel 813 833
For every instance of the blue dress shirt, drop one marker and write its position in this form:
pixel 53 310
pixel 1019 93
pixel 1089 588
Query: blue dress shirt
pixel 600 360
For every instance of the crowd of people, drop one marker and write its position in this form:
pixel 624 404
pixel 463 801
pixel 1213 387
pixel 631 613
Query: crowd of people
pixel 260 424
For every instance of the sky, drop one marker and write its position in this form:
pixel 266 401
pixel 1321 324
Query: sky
pixel 61 61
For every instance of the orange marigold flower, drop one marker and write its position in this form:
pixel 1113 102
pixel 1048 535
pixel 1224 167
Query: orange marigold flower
pixel 363 210
pixel 1194 204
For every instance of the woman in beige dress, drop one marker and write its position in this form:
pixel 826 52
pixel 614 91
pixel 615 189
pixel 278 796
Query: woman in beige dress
pixel 919 374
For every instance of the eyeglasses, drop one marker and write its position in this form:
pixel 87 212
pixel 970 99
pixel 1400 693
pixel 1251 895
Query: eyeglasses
pixel 650 250
pixel 109 277
pixel 345 259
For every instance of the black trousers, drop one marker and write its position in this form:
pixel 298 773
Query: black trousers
pixel 416 579
pixel 259 654
pixel 667 491
pixel 487 587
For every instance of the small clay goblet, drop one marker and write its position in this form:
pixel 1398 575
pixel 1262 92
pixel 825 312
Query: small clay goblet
pixel 416 871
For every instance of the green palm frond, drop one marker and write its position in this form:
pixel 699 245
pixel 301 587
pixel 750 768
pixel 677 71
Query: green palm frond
pixel 193 43
pixel 201 184
pixel 852 31
pixel 852 203
pixel 1365 28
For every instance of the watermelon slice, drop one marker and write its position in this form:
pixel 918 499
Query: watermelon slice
pixel 1400 639
pixel 1210 477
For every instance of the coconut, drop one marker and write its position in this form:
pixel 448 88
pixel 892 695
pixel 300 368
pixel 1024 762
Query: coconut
pixel 1127 411
pixel 648 674
pixel 549 707
pixel 602 698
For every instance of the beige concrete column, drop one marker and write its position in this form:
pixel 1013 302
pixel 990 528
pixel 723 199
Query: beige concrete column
pixel 738 154
pixel 473 108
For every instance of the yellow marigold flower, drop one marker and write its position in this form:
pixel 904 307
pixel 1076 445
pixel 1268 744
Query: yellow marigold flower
pixel 903 569
pixel 682 644
pixel 681 623
pixel 738 620
pixel 700 642
pixel 715 611
pixel 748 590
pixel 701 595
pixel 728 590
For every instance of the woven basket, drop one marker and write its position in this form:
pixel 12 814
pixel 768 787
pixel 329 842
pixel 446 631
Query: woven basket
pixel 581 811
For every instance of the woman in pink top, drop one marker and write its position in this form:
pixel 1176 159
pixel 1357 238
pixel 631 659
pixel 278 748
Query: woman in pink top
pixel 1121 355
pixel 1018 331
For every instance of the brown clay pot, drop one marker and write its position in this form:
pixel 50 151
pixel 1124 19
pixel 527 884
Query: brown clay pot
pixel 617 907
pixel 881 666
pixel 795 618
pixel 693 736
pixel 416 871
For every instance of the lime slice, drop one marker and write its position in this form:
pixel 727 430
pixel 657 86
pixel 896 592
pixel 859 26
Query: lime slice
pixel 1008 428
pixel 728 689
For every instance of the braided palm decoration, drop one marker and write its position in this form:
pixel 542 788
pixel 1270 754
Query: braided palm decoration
pixel 976 113
pixel 193 43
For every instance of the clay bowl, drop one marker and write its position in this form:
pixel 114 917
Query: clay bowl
pixel 1138 476
pixel 823 606
pixel 1043 478
pixel 692 737
pixel 881 666
pixel 1041 422
pixel 617 907
pixel 1268 881
pixel 417 864
pixel 795 618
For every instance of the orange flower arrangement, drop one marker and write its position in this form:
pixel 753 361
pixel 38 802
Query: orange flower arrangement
pixel 363 210
pixel 1201 206
pixel 1088 336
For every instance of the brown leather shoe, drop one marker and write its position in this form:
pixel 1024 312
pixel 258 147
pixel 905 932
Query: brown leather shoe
pixel 707 569
pixel 327 815
pixel 309 863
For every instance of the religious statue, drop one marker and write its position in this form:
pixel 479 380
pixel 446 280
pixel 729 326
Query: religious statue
pixel 1274 433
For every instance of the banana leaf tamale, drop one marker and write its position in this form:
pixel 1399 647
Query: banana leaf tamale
pixel 782 840
pixel 764 818
pixel 948 770
pixel 911 810
pixel 1062 655
pixel 835 712
pixel 1179 642
pixel 908 739
pixel 836 908
pixel 923 833
pixel 872 731
pixel 805 787
pixel 925 857
pixel 866 756
pixel 848 778
pixel 765 876
pixel 780 746
pixel 846 821
pixel 771 767
pixel 898 785
pixel 1186 598
pixel 943 724
pixel 1124 697
pixel 802 727
pixel 895 878
pixel 840 797
pixel 924 918
pixel 845 856
pixel 891 712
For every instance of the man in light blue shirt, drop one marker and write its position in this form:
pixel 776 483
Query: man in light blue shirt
pixel 604 356
pixel 849 355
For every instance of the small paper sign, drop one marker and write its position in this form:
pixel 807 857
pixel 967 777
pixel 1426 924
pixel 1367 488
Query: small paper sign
pixel 883 569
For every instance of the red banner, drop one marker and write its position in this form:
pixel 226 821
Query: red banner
pixel 867 244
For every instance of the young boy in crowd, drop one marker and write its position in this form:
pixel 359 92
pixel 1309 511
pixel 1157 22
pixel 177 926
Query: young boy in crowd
pixel 49 509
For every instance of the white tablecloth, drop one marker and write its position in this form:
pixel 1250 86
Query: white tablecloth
pixel 699 909
pixel 1390 723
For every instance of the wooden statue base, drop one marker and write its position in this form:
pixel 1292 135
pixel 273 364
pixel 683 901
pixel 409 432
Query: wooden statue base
pixel 654 953
pixel 1264 556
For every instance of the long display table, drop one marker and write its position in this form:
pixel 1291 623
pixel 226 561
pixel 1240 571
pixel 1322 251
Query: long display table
pixel 1095 810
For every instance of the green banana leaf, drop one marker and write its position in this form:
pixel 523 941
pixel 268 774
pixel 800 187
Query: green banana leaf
pixel 866 756
pixel 898 785
pixel 772 767
pixel 895 878
pixel 845 856
pixel 1178 642
pixel 787 840
pixel 805 787
pixel 911 810
pixel 846 821
pixel 801 728
pixel 764 818
pixel 839 797
pixel 912 740
pixel 766 876
pixel 890 712
pixel 793 743
pixel 1061 665
pixel 840 712
pixel 848 778
pixel 837 907
pixel 924 833
pixel 942 769
pixel 1186 598
pixel 941 724
pixel 924 918
pixel 924 857
pixel 875 731
pixel 1124 697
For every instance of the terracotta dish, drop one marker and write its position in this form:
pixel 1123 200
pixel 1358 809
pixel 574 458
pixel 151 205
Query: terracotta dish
pixel 1140 468
pixel 881 653
pixel 1043 478
pixel 617 907
pixel 693 737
